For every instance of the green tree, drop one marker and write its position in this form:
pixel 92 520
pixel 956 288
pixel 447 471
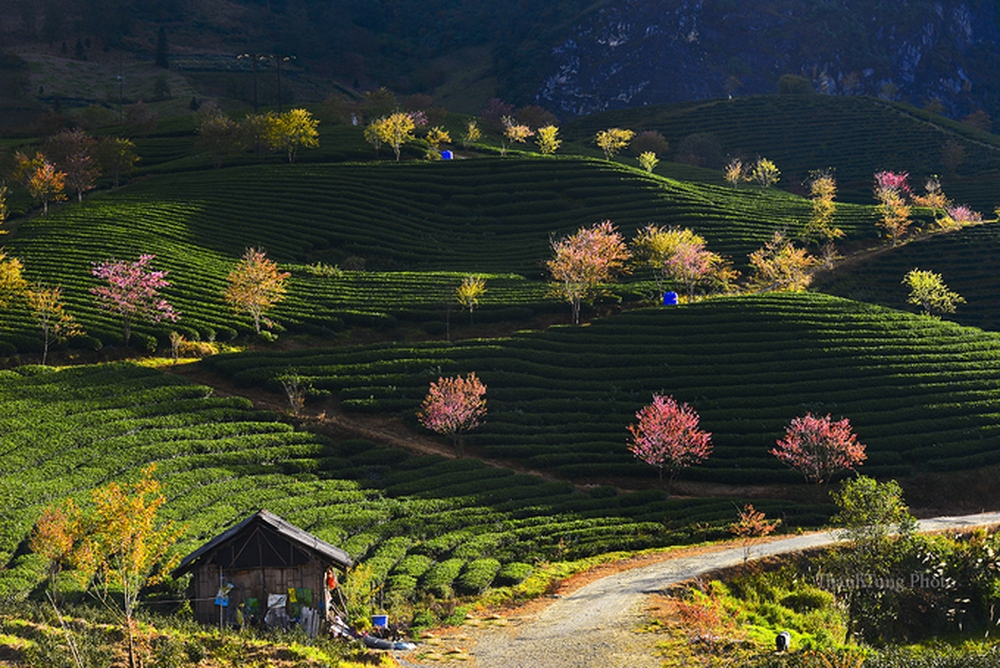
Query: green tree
pixel 928 291
pixel 379 102
pixel 793 84
pixel 162 49
pixel 117 156
pixel 259 129
pixel 649 141
pixel 874 519
pixel 613 141
pixel 221 136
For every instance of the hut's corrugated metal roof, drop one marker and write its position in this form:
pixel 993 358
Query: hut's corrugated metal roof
pixel 320 548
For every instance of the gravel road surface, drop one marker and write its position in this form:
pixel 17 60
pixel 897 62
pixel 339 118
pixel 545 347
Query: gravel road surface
pixel 594 626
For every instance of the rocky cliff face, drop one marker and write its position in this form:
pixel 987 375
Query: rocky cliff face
pixel 638 52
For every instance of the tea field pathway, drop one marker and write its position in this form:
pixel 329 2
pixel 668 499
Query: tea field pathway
pixel 594 626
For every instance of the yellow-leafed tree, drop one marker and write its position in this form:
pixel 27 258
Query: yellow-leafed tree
pixel 469 292
pixel 547 141
pixel 12 283
pixel 115 546
pixel 49 311
pixel 780 265
pixel 395 130
pixel 255 285
pixel 613 140
pixel 292 130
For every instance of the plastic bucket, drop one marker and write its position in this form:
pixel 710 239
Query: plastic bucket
pixel 380 621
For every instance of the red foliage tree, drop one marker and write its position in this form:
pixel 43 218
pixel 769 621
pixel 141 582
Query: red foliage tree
pixel 750 525
pixel 132 292
pixel 453 406
pixel 820 448
pixel 667 437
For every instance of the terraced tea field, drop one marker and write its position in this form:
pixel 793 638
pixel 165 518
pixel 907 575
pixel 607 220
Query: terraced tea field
pixel 415 227
pixel 856 136
pixel 968 261
pixel 437 524
pixel 921 393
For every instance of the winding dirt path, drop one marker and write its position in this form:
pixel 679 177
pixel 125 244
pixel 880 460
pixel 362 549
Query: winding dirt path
pixel 327 418
pixel 595 625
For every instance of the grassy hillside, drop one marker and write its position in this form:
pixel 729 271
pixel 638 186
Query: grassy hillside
pixel 493 216
pixel 968 261
pixel 921 393
pixel 443 525
pixel 856 136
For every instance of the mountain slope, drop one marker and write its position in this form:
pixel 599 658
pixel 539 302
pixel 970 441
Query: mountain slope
pixel 635 52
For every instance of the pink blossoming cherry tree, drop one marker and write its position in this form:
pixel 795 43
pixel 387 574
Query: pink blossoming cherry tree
pixel 132 292
pixel 819 447
pixel 454 406
pixel 667 436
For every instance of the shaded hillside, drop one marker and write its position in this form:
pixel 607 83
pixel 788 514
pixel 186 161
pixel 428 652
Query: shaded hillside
pixel 968 261
pixel 921 393
pixel 856 136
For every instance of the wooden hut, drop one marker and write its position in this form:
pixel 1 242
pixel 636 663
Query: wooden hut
pixel 263 558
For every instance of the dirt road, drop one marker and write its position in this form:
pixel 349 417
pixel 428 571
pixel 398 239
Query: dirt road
pixel 594 626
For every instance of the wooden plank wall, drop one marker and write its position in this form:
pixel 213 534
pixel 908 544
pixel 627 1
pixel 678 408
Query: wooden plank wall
pixel 253 583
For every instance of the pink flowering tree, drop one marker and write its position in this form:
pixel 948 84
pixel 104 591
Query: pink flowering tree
pixel 132 292
pixel 886 180
pixel 667 436
pixel 454 406
pixel 819 448
pixel 893 192
pixel 585 261
pixel 962 215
